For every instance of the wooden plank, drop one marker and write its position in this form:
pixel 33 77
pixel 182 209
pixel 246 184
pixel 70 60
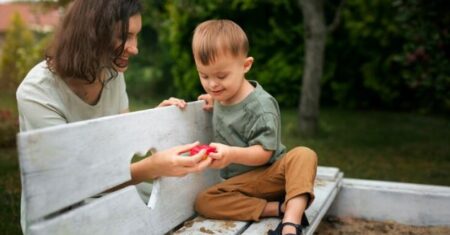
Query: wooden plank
pixel 172 199
pixel 123 212
pixel 200 225
pixel 325 191
pixel 326 196
pixel 327 173
pixel 119 213
pixel 63 165
pixel 415 204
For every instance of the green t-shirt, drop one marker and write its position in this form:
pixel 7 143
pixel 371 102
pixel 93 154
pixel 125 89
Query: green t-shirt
pixel 253 121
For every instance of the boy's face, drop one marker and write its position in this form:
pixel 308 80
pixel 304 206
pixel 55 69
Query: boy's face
pixel 224 78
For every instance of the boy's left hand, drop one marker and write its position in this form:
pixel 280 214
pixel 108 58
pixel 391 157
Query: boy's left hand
pixel 209 102
pixel 222 157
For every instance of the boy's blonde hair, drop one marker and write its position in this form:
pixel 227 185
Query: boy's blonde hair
pixel 218 36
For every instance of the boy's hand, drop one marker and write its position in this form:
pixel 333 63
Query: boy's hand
pixel 209 101
pixel 180 103
pixel 222 157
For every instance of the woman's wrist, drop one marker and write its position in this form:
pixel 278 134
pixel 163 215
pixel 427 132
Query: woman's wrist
pixel 143 170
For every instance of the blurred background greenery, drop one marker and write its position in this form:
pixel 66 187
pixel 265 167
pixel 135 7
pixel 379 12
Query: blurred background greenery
pixel 385 90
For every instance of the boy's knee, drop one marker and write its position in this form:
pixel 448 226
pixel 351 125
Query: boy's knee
pixel 305 153
pixel 200 204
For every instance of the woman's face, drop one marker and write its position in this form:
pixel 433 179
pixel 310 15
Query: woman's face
pixel 131 44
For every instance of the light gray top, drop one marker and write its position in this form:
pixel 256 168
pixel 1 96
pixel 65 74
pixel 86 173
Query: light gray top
pixel 44 100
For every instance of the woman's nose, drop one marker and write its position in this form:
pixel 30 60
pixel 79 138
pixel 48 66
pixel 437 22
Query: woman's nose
pixel 132 47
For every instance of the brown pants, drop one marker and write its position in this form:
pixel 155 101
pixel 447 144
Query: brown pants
pixel 244 197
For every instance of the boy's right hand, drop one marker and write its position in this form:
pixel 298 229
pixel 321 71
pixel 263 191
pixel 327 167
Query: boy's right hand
pixel 222 157
pixel 209 101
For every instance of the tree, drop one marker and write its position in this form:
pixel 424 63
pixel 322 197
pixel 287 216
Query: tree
pixel 315 36
pixel 315 39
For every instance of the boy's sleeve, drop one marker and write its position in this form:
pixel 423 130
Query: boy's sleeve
pixel 265 132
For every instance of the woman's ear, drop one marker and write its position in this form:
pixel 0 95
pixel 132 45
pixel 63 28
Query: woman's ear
pixel 248 64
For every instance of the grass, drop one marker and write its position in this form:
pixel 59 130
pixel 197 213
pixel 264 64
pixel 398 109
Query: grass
pixel 379 145
pixel 9 192
pixel 363 144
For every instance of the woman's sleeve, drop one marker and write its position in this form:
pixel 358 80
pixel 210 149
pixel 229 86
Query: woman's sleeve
pixel 35 114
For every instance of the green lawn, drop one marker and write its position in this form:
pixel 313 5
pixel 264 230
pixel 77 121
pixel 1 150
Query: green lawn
pixel 379 145
pixel 363 144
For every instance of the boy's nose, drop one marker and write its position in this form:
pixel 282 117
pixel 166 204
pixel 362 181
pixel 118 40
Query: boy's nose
pixel 212 83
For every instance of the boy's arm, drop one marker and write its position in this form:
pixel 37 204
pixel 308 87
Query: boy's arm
pixel 254 155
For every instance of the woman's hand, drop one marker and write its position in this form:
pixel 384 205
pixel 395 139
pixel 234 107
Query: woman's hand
pixel 180 103
pixel 209 101
pixel 222 157
pixel 169 163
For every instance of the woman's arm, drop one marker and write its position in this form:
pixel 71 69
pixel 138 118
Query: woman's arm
pixel 169 163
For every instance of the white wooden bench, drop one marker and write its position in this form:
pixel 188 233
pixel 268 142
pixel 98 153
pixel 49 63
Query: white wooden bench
pixel 63 166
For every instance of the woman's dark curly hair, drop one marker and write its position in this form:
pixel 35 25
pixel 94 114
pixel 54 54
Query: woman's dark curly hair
pixel 84 43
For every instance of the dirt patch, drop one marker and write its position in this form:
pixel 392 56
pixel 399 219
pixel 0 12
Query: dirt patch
pixel 352 226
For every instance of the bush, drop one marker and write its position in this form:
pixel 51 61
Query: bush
pixel 9 126
pixel 21 50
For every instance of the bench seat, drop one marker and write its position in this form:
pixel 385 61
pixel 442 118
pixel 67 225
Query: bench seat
pixel 326 187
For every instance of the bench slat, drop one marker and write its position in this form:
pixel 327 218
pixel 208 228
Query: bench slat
pixel 327 173
pixel 200 225
pixel 172 199
pixel 115 214
pixel 64 165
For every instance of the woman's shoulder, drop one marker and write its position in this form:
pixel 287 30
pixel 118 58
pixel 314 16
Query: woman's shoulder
pixel 39 80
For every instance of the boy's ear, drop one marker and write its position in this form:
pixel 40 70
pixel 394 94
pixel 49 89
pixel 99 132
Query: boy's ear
pixel 248 64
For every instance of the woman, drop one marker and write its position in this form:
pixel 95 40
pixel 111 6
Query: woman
pixel 82 78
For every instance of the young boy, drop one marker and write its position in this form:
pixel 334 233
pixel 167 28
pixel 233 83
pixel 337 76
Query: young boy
pixel 262 180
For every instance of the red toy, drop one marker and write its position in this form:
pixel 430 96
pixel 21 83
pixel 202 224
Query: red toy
pixel 198 148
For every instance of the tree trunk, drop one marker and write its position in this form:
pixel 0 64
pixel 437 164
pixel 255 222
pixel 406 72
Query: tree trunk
pixel 315 37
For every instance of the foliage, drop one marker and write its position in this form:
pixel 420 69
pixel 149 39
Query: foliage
pixel 426 51
pixel 280 70
pixel 9 126
pixel 390 55
pixel 20 52
pixel 384 54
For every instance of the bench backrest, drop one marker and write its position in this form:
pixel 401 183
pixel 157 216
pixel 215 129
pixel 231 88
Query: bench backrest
pixel 62 166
